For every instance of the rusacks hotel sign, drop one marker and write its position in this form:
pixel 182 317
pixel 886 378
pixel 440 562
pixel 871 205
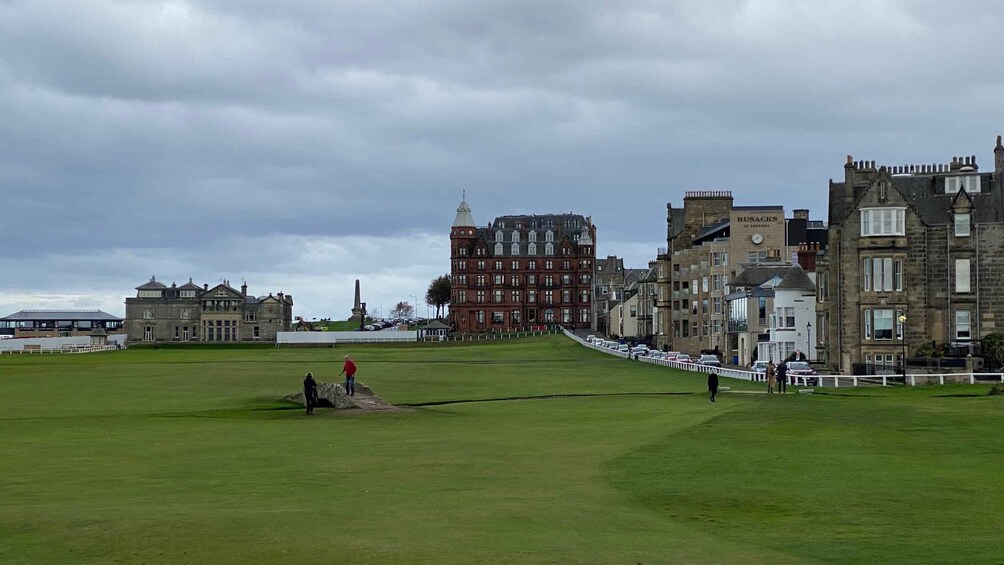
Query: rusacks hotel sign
pixel 759 221
pixel 756 219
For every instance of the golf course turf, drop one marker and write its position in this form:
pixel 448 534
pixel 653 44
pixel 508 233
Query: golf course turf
pixel 189 455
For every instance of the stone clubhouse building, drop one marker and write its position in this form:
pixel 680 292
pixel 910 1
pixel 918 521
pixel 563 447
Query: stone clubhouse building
pixel 190 313
pixel 915 257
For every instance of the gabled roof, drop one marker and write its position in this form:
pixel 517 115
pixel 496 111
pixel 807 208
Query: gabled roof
pixel 962 200
pixel 435 325
pixel 227 287
pixel 190 286
pixel 796 279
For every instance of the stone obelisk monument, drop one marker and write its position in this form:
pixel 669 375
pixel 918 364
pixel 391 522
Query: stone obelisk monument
pixel 358 308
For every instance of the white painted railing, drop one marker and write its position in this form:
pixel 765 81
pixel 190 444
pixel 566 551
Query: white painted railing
pixel 835 381
pixel 62 349
pixel 585 343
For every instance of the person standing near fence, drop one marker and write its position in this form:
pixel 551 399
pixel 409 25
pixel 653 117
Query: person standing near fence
pixel 782 377
pixel 712 385
pixel 771 377
pixel 349 370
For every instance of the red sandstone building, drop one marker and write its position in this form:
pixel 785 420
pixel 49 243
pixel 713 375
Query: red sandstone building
pixel 521 271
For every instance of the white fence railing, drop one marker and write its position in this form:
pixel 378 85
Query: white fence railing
pixel 75 344
pixel 63 349
pixel 331 338
pixel 835 381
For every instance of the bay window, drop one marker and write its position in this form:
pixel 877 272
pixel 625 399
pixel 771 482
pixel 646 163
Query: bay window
pixel 883 222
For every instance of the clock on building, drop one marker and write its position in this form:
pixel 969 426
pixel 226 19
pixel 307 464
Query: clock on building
pixel 756 238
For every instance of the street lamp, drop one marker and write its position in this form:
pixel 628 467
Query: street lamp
pixel 902 339
pixel 808 339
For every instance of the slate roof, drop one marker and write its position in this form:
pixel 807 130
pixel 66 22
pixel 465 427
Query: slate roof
pixel 926 196
pixel 61 316
pixel 796 279
pixel 755 275
pixel 152 284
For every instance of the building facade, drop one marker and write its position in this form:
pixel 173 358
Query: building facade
pixel 190 313
pixel 914 256
pixel 771 312
pixel 521 271
pixel 58 323
pixel 608 284
pixel 709 242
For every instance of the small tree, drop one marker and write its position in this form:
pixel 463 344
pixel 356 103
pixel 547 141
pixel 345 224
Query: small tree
pixel 993 349
pixel 439 293
pixel 402 310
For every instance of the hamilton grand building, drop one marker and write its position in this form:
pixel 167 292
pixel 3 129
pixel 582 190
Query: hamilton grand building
pixel 521 271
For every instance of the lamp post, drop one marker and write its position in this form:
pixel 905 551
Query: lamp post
pixel 902 339
pixel 808 340
pixel 415 302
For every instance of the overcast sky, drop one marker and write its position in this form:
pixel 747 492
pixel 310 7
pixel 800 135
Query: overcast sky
pixel 302 144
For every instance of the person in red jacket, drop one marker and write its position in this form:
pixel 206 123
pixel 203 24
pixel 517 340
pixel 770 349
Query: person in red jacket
pixel 349 370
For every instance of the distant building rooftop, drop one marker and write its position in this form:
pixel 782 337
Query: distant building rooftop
pixel 60 315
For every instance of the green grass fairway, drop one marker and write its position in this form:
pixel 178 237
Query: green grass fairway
pixel 190 456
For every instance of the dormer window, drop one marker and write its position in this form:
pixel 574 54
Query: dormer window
pixel 498 248
pixel 962 224
pixel 532 236
pixel 499 236
pixel 971 183
pixel 515 249
pixel 549 236
pixel 515 235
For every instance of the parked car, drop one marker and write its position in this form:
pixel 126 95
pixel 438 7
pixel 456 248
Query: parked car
pixel 590 338
pixel 640 350
pixel 709 360
pixel 623 348
pixel 800 369
pixel 759 367
pixel 682 358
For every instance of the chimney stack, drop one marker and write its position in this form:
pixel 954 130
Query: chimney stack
pixel 999 157
pixel 244 288
pixel 849 182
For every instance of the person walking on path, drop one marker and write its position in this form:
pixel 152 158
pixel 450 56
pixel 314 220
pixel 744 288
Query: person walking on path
pixel 713 385
pixel 349 370
pixel 782 377
pixel 771 377
pixel 310 393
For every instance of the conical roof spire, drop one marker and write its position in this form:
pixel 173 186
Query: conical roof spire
pixel 464 219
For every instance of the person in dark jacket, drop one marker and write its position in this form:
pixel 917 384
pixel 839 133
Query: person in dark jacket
pixel 713 385
pixel 310 393
pixel 782 377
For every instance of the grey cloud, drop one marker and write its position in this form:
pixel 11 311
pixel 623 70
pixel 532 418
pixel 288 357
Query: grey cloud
pixel 175 126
